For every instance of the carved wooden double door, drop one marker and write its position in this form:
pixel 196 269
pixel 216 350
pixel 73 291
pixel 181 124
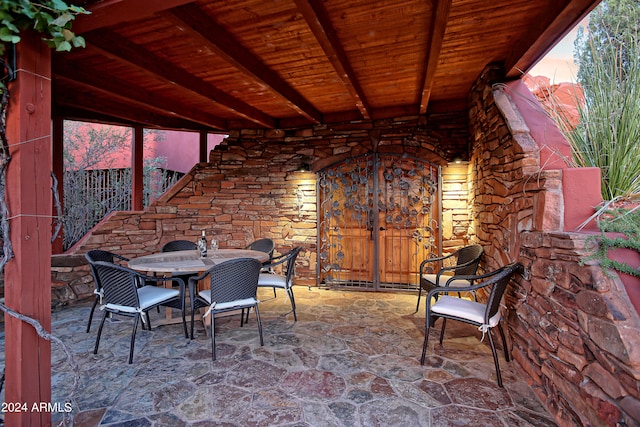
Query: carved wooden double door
pixel 378 218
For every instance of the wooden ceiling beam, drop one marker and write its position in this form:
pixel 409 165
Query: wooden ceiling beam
pixel 125 91
pixel 318 20
pixel 118 48
pixel 439 20
pixel 113 12
pixel 82 115
pixel 79 100
pixel 552 26
pixel 190 18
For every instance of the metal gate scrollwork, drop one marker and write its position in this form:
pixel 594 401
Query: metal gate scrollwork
pixel 379 218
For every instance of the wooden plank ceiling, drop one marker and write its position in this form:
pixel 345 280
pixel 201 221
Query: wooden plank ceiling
pixel 219 65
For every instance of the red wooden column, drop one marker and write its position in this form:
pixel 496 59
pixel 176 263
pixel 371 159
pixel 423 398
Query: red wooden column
pixel 203 155
pixel 137 170
pixel 28 274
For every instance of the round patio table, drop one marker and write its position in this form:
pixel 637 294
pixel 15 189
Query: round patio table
pixel 185 262
pixel 190 261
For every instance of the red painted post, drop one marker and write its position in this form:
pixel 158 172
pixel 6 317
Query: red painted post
pixel 137 169
pixel 58 171
pixel 28 274
pixel 203 155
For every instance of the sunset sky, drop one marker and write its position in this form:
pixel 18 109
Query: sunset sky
pixel 558 64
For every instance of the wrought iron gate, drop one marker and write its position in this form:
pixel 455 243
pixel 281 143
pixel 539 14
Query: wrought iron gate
pixel 378 218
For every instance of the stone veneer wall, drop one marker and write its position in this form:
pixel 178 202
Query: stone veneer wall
pixel 249 189
pixel 571 328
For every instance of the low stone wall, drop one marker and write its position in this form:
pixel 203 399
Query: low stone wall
pixel 575 333
pixel 572 328
pixel 249 189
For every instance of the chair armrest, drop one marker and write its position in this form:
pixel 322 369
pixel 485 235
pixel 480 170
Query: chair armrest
pixel 478 276
pixel 452 268
pixel 428 260
pixel 281 259
pixel 120 257
pixel 447 290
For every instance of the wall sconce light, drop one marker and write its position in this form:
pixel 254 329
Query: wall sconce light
pixel 304 167
pixel 457 160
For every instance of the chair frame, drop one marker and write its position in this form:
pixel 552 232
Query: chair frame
pixel 498 280
pixel 91 257
pixel 199 302
pixel 181 245
pixel 131 299
pixel 470 257
pixel 265 245
pixel 290 259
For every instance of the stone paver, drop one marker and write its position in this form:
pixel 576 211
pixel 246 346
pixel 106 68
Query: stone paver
pixel 352 359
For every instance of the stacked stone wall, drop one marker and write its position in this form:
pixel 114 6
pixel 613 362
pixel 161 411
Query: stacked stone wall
pixel 571 328
pixel 250 189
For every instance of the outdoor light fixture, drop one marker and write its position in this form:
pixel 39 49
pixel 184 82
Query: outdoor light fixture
pixel 304 167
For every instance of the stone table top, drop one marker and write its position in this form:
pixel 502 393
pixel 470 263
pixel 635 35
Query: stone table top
pixel 190 261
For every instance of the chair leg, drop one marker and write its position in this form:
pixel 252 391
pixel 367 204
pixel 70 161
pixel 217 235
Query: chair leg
pixel 213 337
pixel 93 309
pixel 192 314
pixel 184 323
pixel 104 317
pixel 259 324
pixel 495 358
pixel 133 337
pixel 148 321
pixel 293 303
pixel 504 343
pixel 419 295
pixel 444 323
pixel 424 344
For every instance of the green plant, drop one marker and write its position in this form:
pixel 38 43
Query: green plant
pixel 617 220
pixel 94 185
pixel 608 130
pixel 52 18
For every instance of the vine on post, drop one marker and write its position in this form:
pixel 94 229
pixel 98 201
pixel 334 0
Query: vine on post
pixel 51 18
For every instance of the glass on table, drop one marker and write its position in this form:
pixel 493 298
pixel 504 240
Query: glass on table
pixel 214 245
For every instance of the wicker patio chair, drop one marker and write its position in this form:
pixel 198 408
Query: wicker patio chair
pixel 180 245
pixel 122 296
pixel 466 261
pixel 263 245
pixel 93 256
pixel 484 316
pixel 234 285
pixel 270 279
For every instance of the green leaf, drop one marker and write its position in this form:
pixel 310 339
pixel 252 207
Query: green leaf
pixel 64 46
pixel 78 41
pixel 9 25
pixel 59 5
pixel 62 20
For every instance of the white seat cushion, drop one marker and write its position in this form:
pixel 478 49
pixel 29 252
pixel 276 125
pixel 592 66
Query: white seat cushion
pixel 206 295
pixel 272 280
pixel 456 283
pixel 464 309
pixel 148 296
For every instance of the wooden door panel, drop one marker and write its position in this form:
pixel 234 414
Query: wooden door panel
pixel 355 256
pixel 400 256
pixel 377 221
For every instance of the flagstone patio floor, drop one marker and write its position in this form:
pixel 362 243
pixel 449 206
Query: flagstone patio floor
pixel 351 359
